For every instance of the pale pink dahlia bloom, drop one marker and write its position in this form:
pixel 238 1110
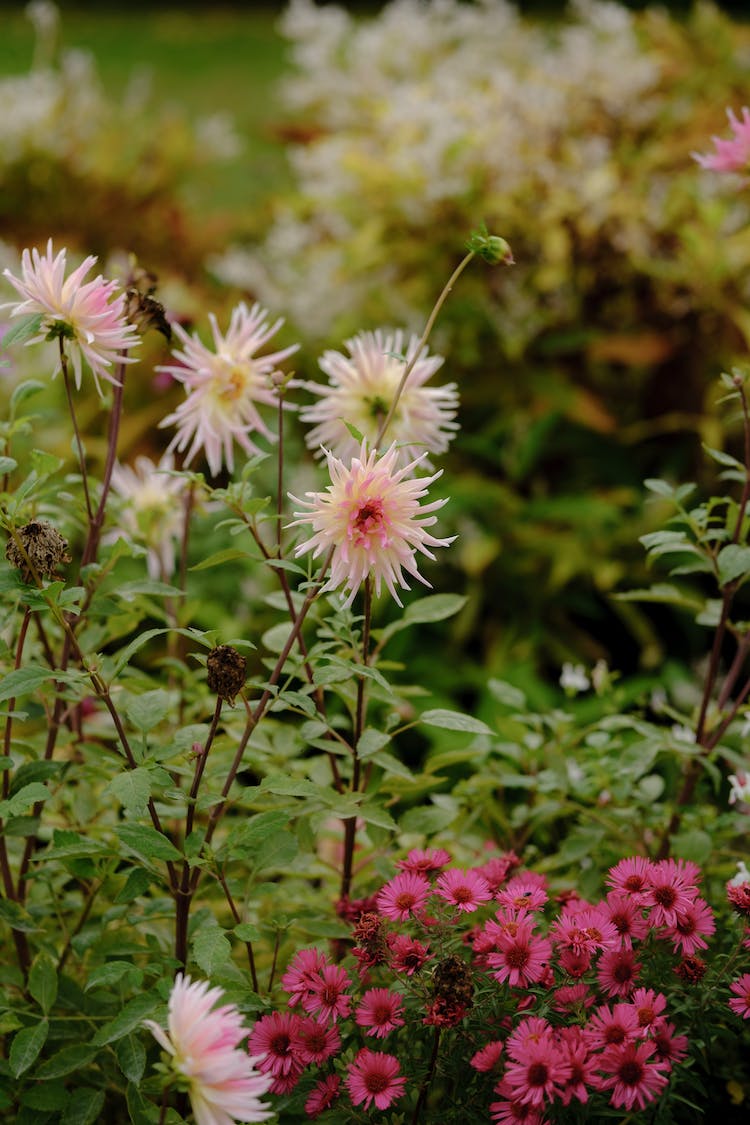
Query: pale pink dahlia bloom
pixel 731 155
pixel 361 388
pixel 204 1044
pixel 224 384
pixel 150 510
pixel 372 518
pixel 91 315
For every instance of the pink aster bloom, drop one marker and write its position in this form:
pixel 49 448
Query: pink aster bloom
pixel 362 387
pixel 497 868
pixel 731 155
pixel 522 893
pixel 572 998
pixel 740 1002
pixel 649 1006
pixel 314 1042
pixel 204 1044
pixel 611 1026
pixel 582 1063
pixel 537 1073
pixel 407 954
pixel 531 1029
pixel 511 1111
pixel 467 890
pixel 374 1077
pixel 224 384
pixel 323 1095
pixel 274 1037
pixel 617 972
pixel 669 1046
pixel 631 1075
pixel 372 518
pixel 626 915
pixel 303 974
pixel 380 1011
pixel 631 876
pixel 328 998
pixel 88 314
pixel 423 861
pixel 403 896
pixel 690 927
pixel 487 1057
pixel 672 890
pixel 585 930
pixel 522 957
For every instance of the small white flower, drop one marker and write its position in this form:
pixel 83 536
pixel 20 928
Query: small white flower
pixel 573 678
pixel 683 733
pixel 740 789
pixel 742 876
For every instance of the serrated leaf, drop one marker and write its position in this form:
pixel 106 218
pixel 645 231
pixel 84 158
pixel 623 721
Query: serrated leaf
pixel 371 741
pixel 147 842
pixel 244 838
pixel 733 562
pixel 24 799
pixel 454 720
pixel 22 329
pixel 276 850
pixel 104 976
pixel 284 786
pixel 26 1046
pixel 84 1107
pixel 66 1061
pixel 132 789
pixel 130 1018
pixel 43 981
pixel 211 948
pixel 131 1058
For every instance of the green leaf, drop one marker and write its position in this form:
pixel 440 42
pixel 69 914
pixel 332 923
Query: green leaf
pixel 24 799
pixel 84 1107
pixel 358 436
pixel 8 464
pixel 23 329
pixel 246 931
pixel 132 789
pixel 46 1095
pixel 66 1061
pixel 733 562
pixel 136 884
pixel 131 1058
pixel 276 850
pixel 26 1045
pixel 371 742
pixel 219 557
pixel 44 463
pixel 427 821
pixel 43 981
pixel 695 845
pixel 104 976
pixel 211 948
pixel 436 607
pixel 23 680
pixel 454 720
pixel 141 1111
pixel 723 458
pixel 661 593
pixel 507 694
pixel 147 842
pixel 16 916
pixel 25 390
pixel 130 1018
pixel 391 764
pixel 244 839
pixel 142 639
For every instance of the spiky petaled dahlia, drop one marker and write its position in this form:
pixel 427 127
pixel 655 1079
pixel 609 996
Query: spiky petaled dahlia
pixel 372 518
pixel 731 155
pixel 91 314
pixel 224 384
pixel 204 1044
pixel 150 510
pixel 361 388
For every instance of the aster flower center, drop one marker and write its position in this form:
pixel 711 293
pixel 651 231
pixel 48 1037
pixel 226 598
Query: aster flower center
pixel 665 896
pixel 405 901
pixel 630 1073
pixel 517 957
pixel 537 1074
pixel 375 1082
pixel 614 1034
pixel 279 1044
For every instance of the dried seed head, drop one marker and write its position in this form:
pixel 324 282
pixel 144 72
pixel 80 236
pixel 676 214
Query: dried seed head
pixel 227 671
pixel 45 550
pixel 452 981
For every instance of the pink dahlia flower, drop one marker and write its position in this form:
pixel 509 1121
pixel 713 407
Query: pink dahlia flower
pixel 88 314
pixel 150 510
pixel 204 1044
pixel 361 388
pixel 224 384
pixel 732 155
pixel 372 518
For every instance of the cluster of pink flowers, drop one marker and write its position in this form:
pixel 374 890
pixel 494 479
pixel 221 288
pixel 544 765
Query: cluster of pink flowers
pixel 549 1001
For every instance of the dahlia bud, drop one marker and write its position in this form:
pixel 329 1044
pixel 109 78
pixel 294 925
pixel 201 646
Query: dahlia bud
pixel 45 549
pixel 490 247
pixel 227 671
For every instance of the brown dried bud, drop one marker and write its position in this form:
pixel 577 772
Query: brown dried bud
pixel 452 982
pixel 142 309
pixel 45 549
pixel 691 969
pixel 227 671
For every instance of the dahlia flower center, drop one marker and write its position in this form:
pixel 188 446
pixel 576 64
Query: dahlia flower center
pixel 234 381
pixel 378 407
pixel 368 519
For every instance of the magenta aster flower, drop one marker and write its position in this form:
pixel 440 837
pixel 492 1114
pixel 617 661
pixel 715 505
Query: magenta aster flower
pixel 740 1002
pixel 631 876
pixel 380 1011
pixel 627 917
pixel 672 891
pixel 403 896
pixel 617 972
pixel 204 1044
pixel 303 974
pixel 361 389
pixel 731 155
pixel 423 861
pixel 224 384
pixel 372 518
pixel 467 890
pixel 328 998
pixel 611 1026
pixel 537 1072
pixel 407 954
pixel 487 1057
pixel 669 1046
pixel 323 1095
pixel 690 927
pixel 522 957
pixel 88 314
pixel 274 1038
pixel 630 1074
pixel 374 1077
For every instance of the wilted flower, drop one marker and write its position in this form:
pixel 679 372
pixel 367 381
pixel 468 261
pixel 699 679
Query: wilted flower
pixel 371 517
pixel 88 314
pixel 204 1044
pixel 44 549
pixel 224 386
pixel 361 389
pixel 732 155
pixel 151 511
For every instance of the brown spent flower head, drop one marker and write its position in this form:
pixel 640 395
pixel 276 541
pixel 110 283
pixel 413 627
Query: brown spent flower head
pixel 227 671
pixel 691 969
pixel 453 990
pixel 45 550
pixel 142 309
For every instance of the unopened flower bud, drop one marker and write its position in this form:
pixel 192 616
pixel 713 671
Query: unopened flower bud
pixel 45 550
pixel 490 247
pixel 227 671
